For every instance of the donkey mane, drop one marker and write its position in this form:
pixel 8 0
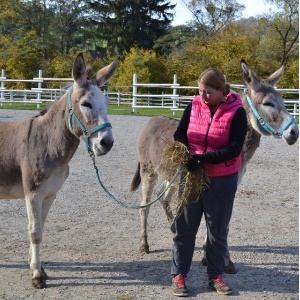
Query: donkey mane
pixel 252 139
pixel 59 138
pixel 42 112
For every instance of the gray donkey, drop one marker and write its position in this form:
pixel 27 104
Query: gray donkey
pixel 35 153
pixel 266 115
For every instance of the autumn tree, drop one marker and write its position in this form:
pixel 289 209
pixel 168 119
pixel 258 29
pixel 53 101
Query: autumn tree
pixel 223 51
pixel 149 67
pixel 283 28
pixel 21 43
pixel 211 16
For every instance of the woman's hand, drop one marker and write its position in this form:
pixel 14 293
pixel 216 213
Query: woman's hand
pixel 194 162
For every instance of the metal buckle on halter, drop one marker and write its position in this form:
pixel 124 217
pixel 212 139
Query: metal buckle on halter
pixel 87 133
pixel 278 134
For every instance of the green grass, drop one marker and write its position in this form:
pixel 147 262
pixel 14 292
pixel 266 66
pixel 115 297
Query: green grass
pixel 23 106
pixel 112 109
pixel 148 112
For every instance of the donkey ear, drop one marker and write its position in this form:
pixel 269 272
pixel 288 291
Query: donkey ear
pixel 79 70
pixel 275 77
pixel 103 75
pixel 249 77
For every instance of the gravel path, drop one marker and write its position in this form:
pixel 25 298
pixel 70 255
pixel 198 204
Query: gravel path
pixel 91 244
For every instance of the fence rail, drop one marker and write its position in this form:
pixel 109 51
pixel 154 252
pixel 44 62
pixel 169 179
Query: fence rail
pixel 171 96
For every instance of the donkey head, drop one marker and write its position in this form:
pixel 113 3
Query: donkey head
pixel 271 116
pixel 88 118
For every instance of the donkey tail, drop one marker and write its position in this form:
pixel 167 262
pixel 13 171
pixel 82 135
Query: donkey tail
pixel 136 179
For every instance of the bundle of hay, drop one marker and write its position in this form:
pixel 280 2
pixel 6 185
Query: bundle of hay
pixel 192 184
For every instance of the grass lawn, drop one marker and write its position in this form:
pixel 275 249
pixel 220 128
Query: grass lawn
pixel 112 109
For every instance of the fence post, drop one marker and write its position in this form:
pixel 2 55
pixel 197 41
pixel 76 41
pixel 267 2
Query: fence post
pixel 134 93
pixel 295 109
pixel 2 84
pixel 39 87
pixel 175 81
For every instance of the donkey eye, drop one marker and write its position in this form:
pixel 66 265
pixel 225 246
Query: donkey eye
pixel 269 104
pixel 87 104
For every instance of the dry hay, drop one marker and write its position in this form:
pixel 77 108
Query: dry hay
pixel 174 161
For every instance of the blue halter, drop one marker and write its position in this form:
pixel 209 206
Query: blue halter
pixel 87 133
pixel 267 126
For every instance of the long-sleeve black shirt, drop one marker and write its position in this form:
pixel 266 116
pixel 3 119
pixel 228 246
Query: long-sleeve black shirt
pixel 237 134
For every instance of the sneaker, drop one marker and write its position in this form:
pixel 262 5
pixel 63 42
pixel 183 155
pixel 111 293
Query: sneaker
pixel 178 286
pixel 219 286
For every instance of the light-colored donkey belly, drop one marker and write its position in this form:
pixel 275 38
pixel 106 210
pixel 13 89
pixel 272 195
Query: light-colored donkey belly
pixel 12 192
pixel 11 186
pixel 48 186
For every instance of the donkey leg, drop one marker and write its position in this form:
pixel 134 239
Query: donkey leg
pixel 47 203
pixel 35 229
pixel 148 182
pixel 166 205
pixel 144 246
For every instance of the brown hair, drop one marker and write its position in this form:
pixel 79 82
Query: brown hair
pixel 215 79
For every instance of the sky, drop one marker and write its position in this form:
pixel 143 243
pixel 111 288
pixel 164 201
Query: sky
pixel 253 8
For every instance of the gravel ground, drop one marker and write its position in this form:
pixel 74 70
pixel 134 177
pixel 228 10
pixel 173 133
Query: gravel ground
pixel 91 244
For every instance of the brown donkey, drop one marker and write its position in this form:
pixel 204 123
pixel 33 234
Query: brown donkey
pixel 34 153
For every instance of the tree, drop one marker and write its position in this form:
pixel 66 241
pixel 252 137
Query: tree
pixel 149 67
pixel 36 16
pixel 210 16
pixel 9 17
pixel 68 23
pixel 124 23
pixel 175 38
pixel 283 27
pixel 223 51
pixel 21 41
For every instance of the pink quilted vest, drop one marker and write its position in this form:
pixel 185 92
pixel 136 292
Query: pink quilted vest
pixel 206 134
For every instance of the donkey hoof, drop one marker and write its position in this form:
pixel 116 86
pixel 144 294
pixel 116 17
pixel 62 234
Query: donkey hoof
pixel 230 268
pixel 39 282
pixel 144 249
pixel 46 277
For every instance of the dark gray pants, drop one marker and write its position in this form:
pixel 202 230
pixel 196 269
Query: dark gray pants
pixel 216 204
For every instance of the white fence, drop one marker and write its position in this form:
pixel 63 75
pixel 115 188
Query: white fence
pixel 177 101
pixel 176 97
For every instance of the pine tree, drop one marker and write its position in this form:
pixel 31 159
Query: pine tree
pixel 123 23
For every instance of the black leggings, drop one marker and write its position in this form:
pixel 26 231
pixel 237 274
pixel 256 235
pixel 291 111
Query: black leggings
pixel 216 204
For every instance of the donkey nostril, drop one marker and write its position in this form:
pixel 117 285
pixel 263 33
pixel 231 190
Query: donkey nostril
pixel 293 132
pixel 106 143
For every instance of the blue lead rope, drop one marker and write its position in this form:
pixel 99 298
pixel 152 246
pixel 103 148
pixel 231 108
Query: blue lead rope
pixel 124 204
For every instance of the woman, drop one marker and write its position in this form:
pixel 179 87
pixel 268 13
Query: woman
pixel 213 127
